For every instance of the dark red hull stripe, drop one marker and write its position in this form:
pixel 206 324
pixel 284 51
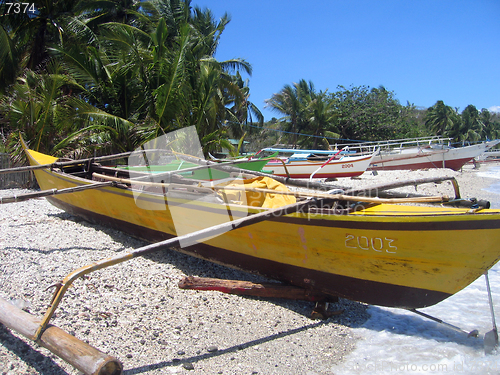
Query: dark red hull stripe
pixel 401 226
pixel 370 292
pixel 322 175
pixel 452 164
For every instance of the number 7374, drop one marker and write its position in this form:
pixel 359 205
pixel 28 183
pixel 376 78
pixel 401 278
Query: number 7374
pixel 20 7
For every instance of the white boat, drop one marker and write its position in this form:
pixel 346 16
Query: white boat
pixel 490 155
pixel 429 156
pixel 318 163
pixel 421 153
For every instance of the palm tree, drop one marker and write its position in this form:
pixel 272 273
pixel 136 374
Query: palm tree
pixel 288 103
pixel 40 109
pixel 150 74
pixel 242 110
pixel 322 114
pixel 164 80
pixel 441 118
pixel 472 127
pixel 491 128
pixel 304 109
pixel 9 58
pixel 32 32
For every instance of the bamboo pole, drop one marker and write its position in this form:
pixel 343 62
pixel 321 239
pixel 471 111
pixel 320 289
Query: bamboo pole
pixel 343 197
pixel 323 186
pixel 229 167
pixel 60 164
pixel 78 353
pixel 46 193
pixel 424 199
pixel 127 181
pixel 197 236
pixel 369 190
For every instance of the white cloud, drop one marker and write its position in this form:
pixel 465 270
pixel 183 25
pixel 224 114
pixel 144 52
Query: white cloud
pixel 495 108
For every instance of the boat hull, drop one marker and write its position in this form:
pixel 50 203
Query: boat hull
pixel 371 292
pixel 388 255
pixel 345 167
pixel 422 158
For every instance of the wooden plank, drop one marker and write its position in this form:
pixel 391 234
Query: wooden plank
pixel 248 288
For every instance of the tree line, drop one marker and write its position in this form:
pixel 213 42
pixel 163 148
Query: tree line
pixel 89 77
pixel 313 118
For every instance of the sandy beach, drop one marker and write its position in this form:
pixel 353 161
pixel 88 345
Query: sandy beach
pixel 136 312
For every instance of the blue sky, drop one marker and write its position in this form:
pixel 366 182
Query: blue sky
pixel 422 50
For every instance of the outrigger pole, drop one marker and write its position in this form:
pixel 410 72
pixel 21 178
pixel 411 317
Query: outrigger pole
pixel 61 164
pixel 473 333
pixel 79 354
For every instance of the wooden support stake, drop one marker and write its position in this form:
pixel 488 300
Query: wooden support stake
pixel 248 288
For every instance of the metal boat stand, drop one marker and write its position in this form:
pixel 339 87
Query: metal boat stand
pixel 491 337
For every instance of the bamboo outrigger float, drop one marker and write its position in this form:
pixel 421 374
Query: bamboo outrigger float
pixel 367 249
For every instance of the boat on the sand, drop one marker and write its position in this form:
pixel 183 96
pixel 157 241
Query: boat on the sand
pixel 430 156
pixel 421 153
pixel 383 254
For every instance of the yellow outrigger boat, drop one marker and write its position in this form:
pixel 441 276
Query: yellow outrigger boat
pixel 360 248
pixel 394 255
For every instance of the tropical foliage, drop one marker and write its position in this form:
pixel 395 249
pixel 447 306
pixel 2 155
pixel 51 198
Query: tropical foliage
pixel 92 76
pixel 356 113
pixel 469 126
pixel 309 117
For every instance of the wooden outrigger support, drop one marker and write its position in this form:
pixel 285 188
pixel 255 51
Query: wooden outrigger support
pixel 173 242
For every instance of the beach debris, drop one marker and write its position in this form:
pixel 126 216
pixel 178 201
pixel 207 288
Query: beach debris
pixel 321 311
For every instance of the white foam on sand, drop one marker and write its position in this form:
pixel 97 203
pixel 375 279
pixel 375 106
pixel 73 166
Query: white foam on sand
pixel 399 341
pixel 493 173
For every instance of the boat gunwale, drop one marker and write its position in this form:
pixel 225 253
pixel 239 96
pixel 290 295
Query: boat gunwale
pixel 358 216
